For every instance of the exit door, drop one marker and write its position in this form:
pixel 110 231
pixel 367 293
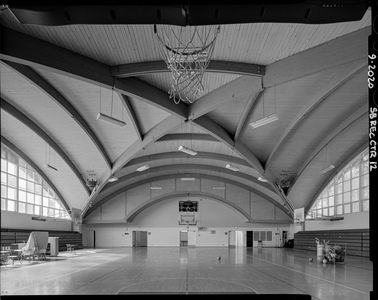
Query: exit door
pixel 91 239
pixel 184 238
pixel 249 238
pixel 139 238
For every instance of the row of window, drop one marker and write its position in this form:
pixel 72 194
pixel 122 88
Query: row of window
pixel 23 190
pixel 347 192
pixel 27 179
pixel 12 193
pixel 265 236
pixel 38 210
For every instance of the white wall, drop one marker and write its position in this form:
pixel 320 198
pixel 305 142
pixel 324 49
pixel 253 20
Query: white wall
pixel 111 236
pixel 294 229
pixel 15 220
pixel 232 238
pixel 213 237
pixel 116 235
pixel 251 204
pixel 120 235
pixel 161 223
pixel 160 220
pixel 351 221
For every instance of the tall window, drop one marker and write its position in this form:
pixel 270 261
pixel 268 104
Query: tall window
pixel 23 190
pixel 347 192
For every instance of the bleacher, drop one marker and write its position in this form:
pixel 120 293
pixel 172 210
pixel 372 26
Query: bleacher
pixel 356 240
pixel 11 236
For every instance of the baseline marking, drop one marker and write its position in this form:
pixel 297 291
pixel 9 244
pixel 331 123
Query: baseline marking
pixel 344 286
pixel 44 281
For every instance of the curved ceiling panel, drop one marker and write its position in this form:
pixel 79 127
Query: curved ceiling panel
pixel 197 176
pixel 337 152
pixel 36 148
pixel 135 212
pixel 79 70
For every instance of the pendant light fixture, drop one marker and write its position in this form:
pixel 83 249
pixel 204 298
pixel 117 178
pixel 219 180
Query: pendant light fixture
pixel 188 150
pixel 327 167
pixel 48 153
pixel 110 119
pixel 230 166
pixel 266 119
pixel 112 178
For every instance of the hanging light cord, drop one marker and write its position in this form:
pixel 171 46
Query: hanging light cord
pixel 100 99
pixel 111 107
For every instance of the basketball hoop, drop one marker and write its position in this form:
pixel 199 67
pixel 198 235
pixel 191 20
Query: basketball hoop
pixel 187 53
pixel 187 219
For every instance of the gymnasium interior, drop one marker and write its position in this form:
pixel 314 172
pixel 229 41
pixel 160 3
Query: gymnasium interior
pixel 174 149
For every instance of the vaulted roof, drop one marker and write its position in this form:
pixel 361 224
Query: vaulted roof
pixel 61 66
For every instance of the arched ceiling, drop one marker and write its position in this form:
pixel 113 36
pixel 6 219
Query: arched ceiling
pixel 133 213
pixel 61 66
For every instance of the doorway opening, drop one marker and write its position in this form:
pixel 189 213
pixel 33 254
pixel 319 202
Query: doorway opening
pixel 184 238
pixel 236 238
pixel 249 238
pixel 284 238
pixel 91 239
pixel 139 238
pixel 188 238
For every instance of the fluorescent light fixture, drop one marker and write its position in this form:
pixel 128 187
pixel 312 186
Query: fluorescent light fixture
pixel 187 150
pixel 143 168
pixel 262 179
pixel 264 121
pixel 329 168
pixel 188 179
pixel 110 120
pixel 228 166
pixel 155 188
pixel 219 188
pixel 51 167
pixel 112 178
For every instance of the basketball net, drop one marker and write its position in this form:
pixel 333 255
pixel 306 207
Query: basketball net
pixel 187 52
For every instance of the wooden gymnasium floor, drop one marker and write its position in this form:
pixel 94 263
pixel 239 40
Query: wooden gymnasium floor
pixel 190 270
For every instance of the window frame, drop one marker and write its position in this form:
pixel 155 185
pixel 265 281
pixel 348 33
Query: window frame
pixel 13 165
pixel 350 189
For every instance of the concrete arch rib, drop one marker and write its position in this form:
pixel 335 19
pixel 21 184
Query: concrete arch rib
pixel 35 167
pixel 174 176
pixel 314 101
pixel 29 74
pixel 336 171
pixel 203 167
pixel 169 155
pixel 45 136
pixel 357 115
pixel 131 216
pixel 217 66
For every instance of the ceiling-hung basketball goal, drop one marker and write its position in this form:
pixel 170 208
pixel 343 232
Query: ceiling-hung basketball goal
pixel 187 52
pixel 187 212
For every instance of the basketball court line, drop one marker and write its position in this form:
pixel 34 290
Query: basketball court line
pixel 187 282
pixel 186 290
pixel 286 283
pixel 344 286
pixel 44 281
